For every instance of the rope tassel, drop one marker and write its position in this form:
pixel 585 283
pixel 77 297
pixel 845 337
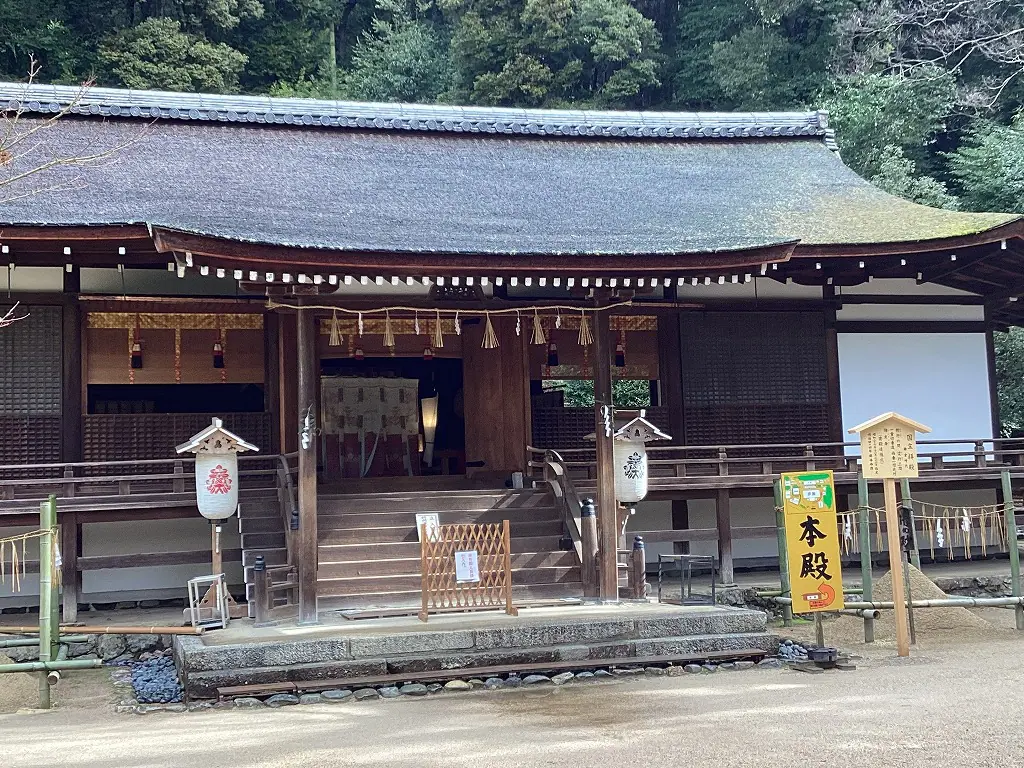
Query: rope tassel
pixel 490 339
pixel 389 333
pixel 438 335
pixel 586 338
pixel 538 330
pixel 335 339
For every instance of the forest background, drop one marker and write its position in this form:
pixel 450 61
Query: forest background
pixel 926 95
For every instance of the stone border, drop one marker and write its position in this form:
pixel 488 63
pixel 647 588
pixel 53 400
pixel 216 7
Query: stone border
pixel 419 690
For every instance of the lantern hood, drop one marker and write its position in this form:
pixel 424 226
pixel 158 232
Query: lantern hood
pixel 215 439
pixel 636 429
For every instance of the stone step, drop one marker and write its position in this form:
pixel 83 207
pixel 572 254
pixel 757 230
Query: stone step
pixel 410 566
pixel 687 631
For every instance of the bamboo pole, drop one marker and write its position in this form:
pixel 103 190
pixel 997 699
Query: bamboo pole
pixel 944 602
pixel 863 502
pixel 1009 512
pixel 28 642
pixel 46 523
pixel 780 533
pixel 42 667
pixel 111 630
pixel 55 603
pixel 915 554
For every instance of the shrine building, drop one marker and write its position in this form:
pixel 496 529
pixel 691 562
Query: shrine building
pixel 421 309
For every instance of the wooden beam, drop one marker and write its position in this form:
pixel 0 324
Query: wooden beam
pixel 604 423
pixel 835 402
pixel 910 326
pixel 670 373
pixel 723 514
pixel 225 252
pixel 306 551
pixel 71 370
pixel 272 378
pixel 71 577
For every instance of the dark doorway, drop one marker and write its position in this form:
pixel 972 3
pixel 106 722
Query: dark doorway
pixel 440 376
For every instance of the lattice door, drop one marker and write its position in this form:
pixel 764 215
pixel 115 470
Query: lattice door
pixel 441 589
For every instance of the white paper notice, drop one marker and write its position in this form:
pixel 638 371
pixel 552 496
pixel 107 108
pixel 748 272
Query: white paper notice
pixel 467 568
pixel 430 520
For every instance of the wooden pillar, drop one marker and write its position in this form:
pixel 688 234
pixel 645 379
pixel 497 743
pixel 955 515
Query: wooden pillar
pixel 835 401
pixel 724 515
pixel 71 373
pixel 272 379
pixel 306 551
pixel 670 372
pixel 70 550
pixel 680 522
pixel 604 421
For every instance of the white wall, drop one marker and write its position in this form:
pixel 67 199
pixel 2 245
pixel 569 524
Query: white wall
pixel 938 379
pixel 133 538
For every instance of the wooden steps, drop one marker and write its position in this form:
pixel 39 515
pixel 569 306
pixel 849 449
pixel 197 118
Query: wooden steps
pixel 369 553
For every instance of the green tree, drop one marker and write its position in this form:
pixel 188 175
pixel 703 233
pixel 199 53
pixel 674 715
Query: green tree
pixel 1010 379
pixel 897 175
pixel 158 54
pixel 989 167
pixel 399 59
pixel 626 393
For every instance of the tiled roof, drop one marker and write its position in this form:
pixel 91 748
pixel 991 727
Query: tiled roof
pixel 161 105
pixel 443 190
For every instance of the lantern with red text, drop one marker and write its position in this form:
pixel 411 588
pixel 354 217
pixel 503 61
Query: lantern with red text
pixel 216 450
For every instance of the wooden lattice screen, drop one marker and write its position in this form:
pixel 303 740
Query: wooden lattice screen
pixel 442 591
pixel 754 377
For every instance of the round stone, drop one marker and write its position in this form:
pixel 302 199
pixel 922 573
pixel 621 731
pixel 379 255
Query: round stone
pixel 536 679
pixel 494 682
pixel 563 678
pixel 334 695
pixel 365 693
pixel 390 692
pixel 693 669
pixel 656 671
pixel 310 698
pixel 513 681
pixel 413 689
pixel 247 702
pixel 282 700
pixel 457 685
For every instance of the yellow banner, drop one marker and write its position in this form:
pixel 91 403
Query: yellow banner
pixel 812 541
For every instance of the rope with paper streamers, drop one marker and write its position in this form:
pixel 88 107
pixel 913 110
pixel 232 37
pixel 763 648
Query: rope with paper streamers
pixel 947 527
pixel 490 340
pixel 14 563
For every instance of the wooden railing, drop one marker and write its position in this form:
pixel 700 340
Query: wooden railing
pixel 693 466
pixel 557 477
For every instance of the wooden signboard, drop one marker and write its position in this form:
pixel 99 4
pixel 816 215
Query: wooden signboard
pixel 812 541
pixel 888 445
pixel 465 567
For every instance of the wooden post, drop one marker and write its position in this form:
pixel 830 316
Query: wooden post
pixel 724 517
pixel 217 556
pixel 1010 516
pixel 261 612
pixel 71 369
pixel 638 570
pixel 306 550
pixel 915 554
pixel 588 535
pixel 71 577
pixel 604 421
pixel 780 532
pixel 819 630
pixel 892 525
pixel 863 502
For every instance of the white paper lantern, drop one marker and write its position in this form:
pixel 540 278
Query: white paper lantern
pixel 217 484
pixel 630 456
pixel 216 451
pixel 630 471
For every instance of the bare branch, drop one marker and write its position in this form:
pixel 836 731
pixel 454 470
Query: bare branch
pixel 10 318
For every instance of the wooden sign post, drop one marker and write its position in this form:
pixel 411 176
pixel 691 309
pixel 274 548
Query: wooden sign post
pixel 888 447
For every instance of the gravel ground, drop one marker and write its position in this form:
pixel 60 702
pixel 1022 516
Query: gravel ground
pixel 952 703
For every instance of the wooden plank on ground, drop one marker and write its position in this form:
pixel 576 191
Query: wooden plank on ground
pixel 442 675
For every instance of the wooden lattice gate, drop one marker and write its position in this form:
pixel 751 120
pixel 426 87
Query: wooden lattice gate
pixel 451 553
